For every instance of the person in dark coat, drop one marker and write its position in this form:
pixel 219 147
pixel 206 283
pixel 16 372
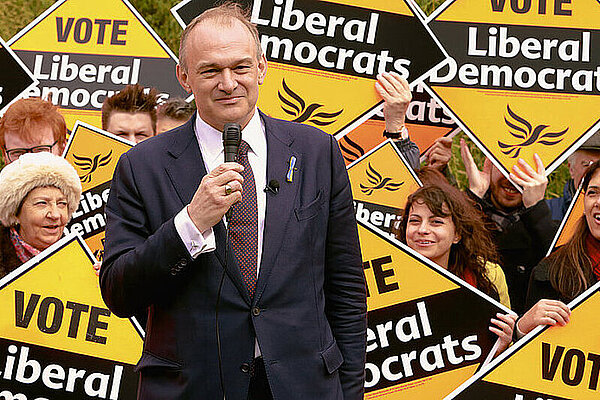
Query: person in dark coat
pixel 571 269
pixel 521 222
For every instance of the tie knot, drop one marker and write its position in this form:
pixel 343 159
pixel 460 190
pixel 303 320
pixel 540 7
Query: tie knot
pixel 243 150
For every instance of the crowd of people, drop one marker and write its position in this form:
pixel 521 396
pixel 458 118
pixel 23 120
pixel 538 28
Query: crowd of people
pixel 493 236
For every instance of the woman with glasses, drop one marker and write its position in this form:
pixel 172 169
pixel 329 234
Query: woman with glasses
pixel 32 126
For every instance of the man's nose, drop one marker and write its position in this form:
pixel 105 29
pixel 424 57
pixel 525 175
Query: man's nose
pixel 228 82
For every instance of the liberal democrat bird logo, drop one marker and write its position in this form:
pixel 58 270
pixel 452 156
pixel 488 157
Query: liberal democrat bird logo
pixel 378 182
pixel 91 164
pixel 522 129
pixel 296 107
pixel 350 149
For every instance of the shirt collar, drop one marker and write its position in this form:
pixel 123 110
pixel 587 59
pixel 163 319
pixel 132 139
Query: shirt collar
pixel 211 140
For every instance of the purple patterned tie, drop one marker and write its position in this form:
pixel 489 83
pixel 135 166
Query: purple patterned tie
pixel 243 224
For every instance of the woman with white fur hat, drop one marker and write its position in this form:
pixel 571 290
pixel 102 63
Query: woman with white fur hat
pixel 38 194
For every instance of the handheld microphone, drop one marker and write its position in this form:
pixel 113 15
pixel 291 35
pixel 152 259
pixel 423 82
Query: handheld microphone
pixel 272 186
pixel 232 137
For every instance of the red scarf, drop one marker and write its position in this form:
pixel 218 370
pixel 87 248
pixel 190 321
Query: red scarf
pixel 593 251
pixel 24 250
pixel 469 277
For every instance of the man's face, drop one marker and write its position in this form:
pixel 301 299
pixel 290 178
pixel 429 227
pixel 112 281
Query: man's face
pixel 43 136
pixel 164 124
pixel 581 161
pixel 223 71
pixel 504 195
pixel 134 127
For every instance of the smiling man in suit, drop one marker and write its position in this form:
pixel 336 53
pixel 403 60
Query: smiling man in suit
pixel 292 307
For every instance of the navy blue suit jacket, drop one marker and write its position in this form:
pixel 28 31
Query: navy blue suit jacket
pixel 309 310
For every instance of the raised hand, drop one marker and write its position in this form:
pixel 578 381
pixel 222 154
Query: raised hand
pixel 532 181
pixel 479 181
pixel 396 95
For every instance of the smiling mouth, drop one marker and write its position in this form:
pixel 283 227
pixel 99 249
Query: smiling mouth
pixel 424 242
pixel 596 217
pixel 511 190
pixel 231 99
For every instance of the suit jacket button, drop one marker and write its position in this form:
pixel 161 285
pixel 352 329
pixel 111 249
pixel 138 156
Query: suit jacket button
pixel 183 262
pixel 255 311
pixel 245 367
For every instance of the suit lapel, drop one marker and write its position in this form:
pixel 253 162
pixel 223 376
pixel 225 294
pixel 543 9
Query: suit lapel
pixel 186 171
pixel 279 206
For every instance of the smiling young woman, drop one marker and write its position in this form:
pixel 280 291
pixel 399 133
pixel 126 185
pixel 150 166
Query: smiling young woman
pixel 440 223
pixel 571 269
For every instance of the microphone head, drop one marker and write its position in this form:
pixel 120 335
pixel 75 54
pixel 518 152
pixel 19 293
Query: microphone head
pixel 274 184
pixel 232 133
pixel 232 137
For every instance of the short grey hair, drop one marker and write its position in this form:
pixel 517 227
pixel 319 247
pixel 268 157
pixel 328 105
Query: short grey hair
pixel 223 14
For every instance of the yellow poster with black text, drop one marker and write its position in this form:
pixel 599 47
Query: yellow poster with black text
pixel 94 153
pixel 558 363
pixel 427 329
pixel 381 182
pixel 83 51
pixel 524 77
pixel 324 56
pixel 58 340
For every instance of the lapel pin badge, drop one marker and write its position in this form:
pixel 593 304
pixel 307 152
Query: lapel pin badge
pixel 290 174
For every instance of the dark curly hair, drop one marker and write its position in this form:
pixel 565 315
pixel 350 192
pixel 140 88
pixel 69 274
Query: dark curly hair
pixel 476 247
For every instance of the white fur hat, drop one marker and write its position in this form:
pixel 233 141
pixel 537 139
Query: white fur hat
pixel 33 170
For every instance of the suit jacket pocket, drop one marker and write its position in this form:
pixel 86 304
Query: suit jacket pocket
pixel 311 209
pixel 332 357
pixel 151 361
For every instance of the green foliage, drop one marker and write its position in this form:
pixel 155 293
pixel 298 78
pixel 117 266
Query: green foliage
pixel 16 14
pixel 157 13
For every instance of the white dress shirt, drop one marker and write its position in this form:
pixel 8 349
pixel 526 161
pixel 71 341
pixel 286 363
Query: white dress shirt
pixel 210 141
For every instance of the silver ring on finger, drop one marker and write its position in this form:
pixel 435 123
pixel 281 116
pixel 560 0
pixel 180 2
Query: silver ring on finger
pixel 228 190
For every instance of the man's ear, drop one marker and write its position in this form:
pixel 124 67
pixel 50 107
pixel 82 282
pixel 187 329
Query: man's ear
pixel 182 77
pixel 262 68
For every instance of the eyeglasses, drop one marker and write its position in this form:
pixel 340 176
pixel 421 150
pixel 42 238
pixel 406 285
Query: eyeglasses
pixel 14 154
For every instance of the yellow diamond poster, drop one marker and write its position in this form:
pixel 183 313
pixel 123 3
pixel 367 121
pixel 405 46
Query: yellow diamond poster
pixel 83 51
pixel 524 76
pixel 381 182
pixel 569 223
pixel 557 363
pixel 426 121
pixel 58 339
pixel 324 56
pixel 427 329
pixel 94 153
